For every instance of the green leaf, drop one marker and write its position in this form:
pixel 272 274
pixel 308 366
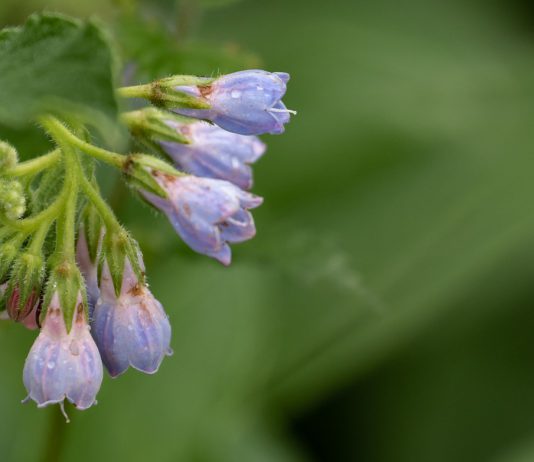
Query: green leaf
pixel 59 65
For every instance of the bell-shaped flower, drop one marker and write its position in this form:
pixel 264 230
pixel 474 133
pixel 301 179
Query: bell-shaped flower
pixel 215 153
pixel 208 214
pixel 130 329
pixel 63 365
pixel 246 102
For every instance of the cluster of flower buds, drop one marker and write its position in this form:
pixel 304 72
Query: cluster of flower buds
pixel 68 268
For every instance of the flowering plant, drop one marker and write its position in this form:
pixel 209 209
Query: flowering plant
pixel 67 266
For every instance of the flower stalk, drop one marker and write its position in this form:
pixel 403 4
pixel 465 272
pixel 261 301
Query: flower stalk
pixel 68 266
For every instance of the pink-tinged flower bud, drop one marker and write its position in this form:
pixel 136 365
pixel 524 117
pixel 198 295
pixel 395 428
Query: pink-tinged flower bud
pixel 28 315
pixel 246 102
pixel 63 365
pixel 23 293
pixel 208 214
pixel 215 153
pixel 130 329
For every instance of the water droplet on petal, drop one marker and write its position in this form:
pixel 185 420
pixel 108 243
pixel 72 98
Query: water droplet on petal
pixel 236 94
pixel 74 348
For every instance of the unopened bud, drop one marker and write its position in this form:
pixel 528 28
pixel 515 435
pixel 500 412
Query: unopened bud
pixel 8 156
pixel 24 289
pixel 12 200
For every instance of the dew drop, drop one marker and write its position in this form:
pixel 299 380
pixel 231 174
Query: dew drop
pixel 74 348
pixel 51 365
pixel 236 94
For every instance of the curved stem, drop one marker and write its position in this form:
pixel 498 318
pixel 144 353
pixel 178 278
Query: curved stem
pixel 65 136
pixel 28 225
pixel 34 166
pixel 39 237
pixel 100 204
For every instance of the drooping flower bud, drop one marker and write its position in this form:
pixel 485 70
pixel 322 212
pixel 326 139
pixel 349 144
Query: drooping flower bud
pixel 24 289
pixel 28 313
pixel 63 365
pixel 8 156
pixel 246 102
pixel 208 214
pixel 215 153
pixel 130 329
pixel 12 200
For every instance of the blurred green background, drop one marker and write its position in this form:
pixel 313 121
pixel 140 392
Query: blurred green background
pixel 385 311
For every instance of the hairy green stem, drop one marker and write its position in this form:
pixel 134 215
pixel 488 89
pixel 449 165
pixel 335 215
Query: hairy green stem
pixel 34 166
pixel 66 232
pixel 163 88
pixel 100 204
pixel 28 225
pixel 136 91
pixel 64 136
pixel 39 237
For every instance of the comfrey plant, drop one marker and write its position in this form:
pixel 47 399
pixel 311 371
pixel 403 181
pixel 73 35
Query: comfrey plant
pixel 70 269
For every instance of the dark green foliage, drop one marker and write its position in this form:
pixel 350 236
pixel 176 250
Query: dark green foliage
pixel 56 64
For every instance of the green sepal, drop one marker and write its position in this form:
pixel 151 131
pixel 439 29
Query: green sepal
pixel 8 156
pixel 65 279
pixel 184 81
pixel 3 298
pixel 26 278
pixel 164 94
pixel 93 230
pixel 118 246
pixel 8 252
pixel 140 168
pixel 150 126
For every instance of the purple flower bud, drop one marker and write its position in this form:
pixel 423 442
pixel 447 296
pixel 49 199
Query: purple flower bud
pixel 29 314
pixel 208 214
pixel 89 271
pixel 246 102
pixel 216 153
pixel 131 329
pixel 63 365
